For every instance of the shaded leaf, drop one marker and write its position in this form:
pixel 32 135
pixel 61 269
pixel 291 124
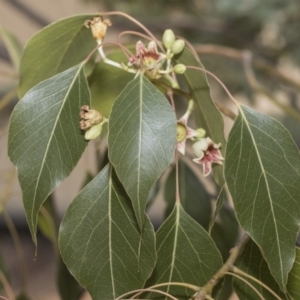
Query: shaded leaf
pixel 225 231
pixel 45 141
pixel 185 253
pixel 263 174
pixel 13 46
pixel 102 83
pixel 100 240
pixel 219 204
pixel 293 286
pixel 252 263
pixel 141 139
pixel 68 287
pixel 193 196
pixel 53 50
pixel 207 116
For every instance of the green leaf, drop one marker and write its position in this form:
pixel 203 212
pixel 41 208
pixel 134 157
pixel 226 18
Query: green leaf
pixel 102 83
pixel 141 139
pixel 293 286
pixel 219 204
pixel 225 231
pixel 185 253
pixel 53 50
pixel 69 288
pixel 12 45
pixel 100 240
pixel 45 141
pixel 207 115
pixel 262 169
pixel 252 263
pixel 193 196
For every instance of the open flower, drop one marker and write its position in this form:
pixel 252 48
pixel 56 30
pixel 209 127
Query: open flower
pixel 207 153
pixel 184 132
pixel 148 59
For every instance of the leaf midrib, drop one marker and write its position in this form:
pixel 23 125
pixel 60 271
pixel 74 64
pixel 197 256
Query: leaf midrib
pixel 267 185
pixel 48 145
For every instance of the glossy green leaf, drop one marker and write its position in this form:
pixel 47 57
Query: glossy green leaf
pixel 185 253
pixel 45 141
pixel 12 45
pixel 293 286
pixel 263 174
pixel 53 50
pixel 141 139
pixel 252 263
pixel 194 198
pixel 207 116
pixel 100 240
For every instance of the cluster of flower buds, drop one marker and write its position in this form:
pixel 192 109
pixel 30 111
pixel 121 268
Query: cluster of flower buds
pixel 91 122
pixel 204 148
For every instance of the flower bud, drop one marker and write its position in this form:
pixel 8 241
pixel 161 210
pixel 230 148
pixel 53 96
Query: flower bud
pixel 93 132
pixel 201 133
pixel 178 46
pixel 180 68
pixel 168 38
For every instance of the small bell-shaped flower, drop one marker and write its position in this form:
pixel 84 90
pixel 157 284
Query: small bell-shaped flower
pixel 98 27
pixel 207 153
pixel 183 131
pixel 148 59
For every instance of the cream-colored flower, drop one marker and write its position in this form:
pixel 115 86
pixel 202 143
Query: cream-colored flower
pixel 207 153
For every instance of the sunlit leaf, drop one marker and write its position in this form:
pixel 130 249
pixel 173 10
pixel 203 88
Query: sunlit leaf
pixel 53 50
pixel 263 174
pixel 12 45
pixel 185 253
pixel 207 116
pixel 45 141
pixel 141 139
pixel 252 263
pixel 293 286
pixel 100 240
pixel 194 198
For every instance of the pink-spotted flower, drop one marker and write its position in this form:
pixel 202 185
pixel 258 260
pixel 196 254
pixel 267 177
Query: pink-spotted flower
pixel 207 153
pixel 148 59
pixel 184 132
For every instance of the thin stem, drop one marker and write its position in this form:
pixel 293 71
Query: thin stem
pixel 7 287
pixel 118 13
pixel 248 283
pixel 225 111
pixel 131 32
pixel 187 285
pixel 140 291
pixel 16 239
pixel 218 80
pixel 242 273
pixel 234 254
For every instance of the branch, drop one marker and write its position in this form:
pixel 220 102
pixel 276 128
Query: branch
pixel 234 254
pixel 238 55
